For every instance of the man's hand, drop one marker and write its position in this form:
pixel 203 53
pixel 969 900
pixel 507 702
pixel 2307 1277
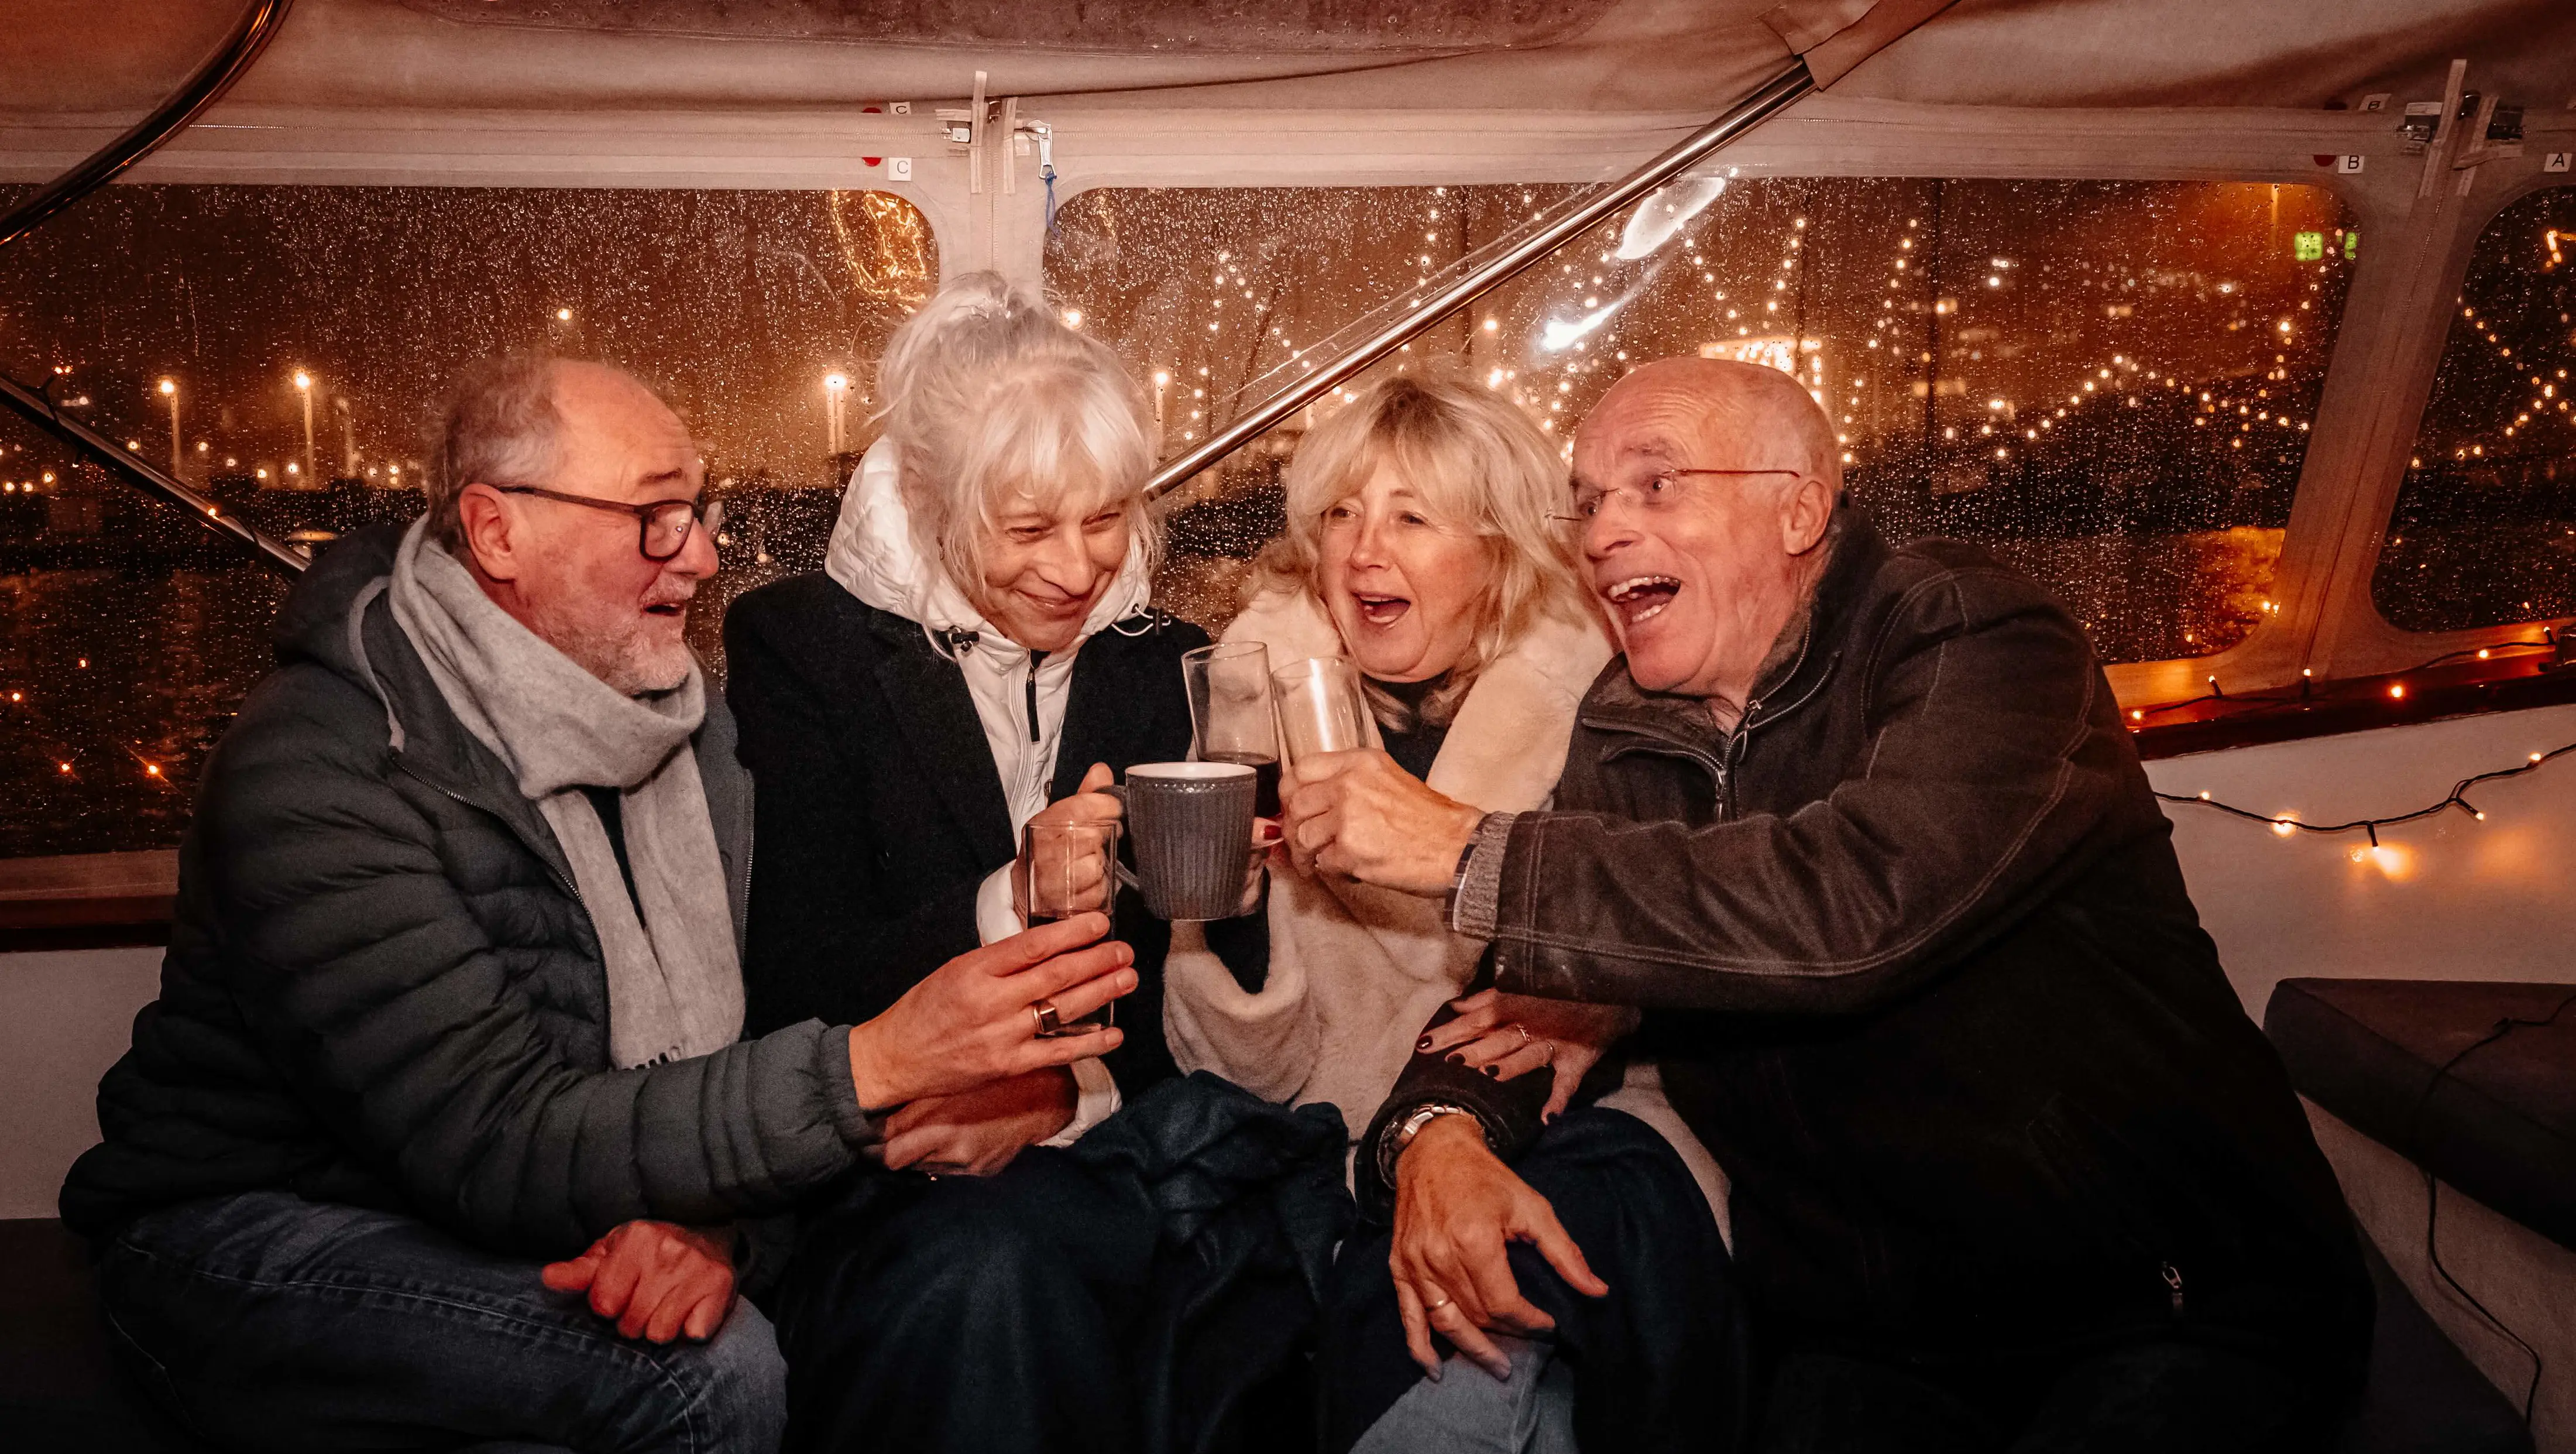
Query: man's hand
pixel 977 1132
pixel 1508 1036
pixel 1357 815
pixel 971 1020
pixel 657 1279
pixel 1456 1210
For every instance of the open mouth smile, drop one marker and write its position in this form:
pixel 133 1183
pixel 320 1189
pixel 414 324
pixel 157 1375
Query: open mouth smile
pixel 1381 610
pixel 1640 599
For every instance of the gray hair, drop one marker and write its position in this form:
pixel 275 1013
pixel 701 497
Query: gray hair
pixel 498 424
pixel 989 396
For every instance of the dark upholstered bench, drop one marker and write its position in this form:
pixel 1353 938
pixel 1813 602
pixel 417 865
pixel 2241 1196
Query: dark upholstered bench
pixel 2461 1096
pixel 2500 1126
pixel 59 1390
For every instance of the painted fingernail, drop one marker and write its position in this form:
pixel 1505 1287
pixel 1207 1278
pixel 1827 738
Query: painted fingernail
pixel 1422 1044
pixel 1454 1058
pixel 1494 1071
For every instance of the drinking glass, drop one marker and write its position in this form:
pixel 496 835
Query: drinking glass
pixel 1067 869
pixel 1321 708
pixel 1232 717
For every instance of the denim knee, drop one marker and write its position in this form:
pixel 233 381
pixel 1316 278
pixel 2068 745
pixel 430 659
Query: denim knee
pixel 741 1404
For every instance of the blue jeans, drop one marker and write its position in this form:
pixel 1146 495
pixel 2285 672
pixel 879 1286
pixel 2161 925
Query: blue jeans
pixel 1660 1366
pixel 264 1321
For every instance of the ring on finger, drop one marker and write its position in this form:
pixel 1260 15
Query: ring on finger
pixel 1525 1034
pixel 1049 1024
pixel 1435 1307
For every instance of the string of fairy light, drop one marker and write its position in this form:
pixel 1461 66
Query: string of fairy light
pixel 2387 856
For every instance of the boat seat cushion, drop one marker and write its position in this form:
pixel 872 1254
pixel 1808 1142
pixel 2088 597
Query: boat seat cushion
pixel 2501 1124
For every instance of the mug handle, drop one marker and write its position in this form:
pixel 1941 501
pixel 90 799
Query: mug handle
pixel 1126 875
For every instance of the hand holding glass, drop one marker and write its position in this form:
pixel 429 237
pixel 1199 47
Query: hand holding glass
pixel 1321 708
pixel 1067 869
pixel 1232 717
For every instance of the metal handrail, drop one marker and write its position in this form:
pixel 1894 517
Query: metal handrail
pixel 259 26
pixel 1766 101
pixel 42 411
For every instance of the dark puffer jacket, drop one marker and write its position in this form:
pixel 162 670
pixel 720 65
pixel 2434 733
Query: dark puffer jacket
pixel 382 989
pixel 1921 971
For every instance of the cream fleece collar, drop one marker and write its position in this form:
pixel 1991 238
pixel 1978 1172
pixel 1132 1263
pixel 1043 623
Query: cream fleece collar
pixel 1506 747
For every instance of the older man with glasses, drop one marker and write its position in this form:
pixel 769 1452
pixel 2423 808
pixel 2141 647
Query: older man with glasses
pixel 1858 828
pixel 442 1130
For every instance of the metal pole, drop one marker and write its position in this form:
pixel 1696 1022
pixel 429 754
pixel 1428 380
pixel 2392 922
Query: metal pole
pixel 1766 101
pixel 40 411
pixel 259 25
pixel 171 389
pixel 304 386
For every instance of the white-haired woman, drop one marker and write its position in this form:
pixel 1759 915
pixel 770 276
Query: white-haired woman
pixel 976 655
pixel 1421 542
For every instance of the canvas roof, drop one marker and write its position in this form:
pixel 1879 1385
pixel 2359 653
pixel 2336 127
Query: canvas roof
pixel 1605 56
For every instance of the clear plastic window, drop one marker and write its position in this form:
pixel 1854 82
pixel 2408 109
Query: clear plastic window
pixel 2484 531
pixel 2107 383
pixel 131 634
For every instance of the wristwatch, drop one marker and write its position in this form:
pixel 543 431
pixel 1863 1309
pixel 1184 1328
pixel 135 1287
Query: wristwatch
pixel 1391 1144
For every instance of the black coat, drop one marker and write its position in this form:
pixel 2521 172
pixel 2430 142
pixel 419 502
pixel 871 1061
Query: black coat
pixel 881 811
pixel 1921 970
pixel 382 989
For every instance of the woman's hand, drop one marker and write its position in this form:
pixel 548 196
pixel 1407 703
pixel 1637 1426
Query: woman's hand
pixel 974 1019
pixel 1457 1210
pixel 1087 805
pixel 977 1132
pixel 1508 1036
pixel 1358 815
pixel 657 1279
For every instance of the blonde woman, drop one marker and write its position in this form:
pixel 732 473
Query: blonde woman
pixel 1422 542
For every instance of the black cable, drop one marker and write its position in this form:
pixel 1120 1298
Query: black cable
pixel 2433 1192
pixel 2456 798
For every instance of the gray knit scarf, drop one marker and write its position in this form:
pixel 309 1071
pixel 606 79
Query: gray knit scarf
pixel 674 978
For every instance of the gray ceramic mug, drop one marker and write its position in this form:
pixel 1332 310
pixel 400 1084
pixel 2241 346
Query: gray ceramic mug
pixel 1191 826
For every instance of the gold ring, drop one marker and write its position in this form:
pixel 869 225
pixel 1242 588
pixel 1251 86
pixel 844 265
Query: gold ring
pixel 1435 1307
pixel 1048 1024
pixel 1525 1034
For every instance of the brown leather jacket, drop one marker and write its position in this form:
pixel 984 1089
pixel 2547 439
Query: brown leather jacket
pixel 1920 969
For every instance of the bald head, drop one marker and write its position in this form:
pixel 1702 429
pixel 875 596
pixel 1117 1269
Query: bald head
pixel 1757 415
pixel 1706 486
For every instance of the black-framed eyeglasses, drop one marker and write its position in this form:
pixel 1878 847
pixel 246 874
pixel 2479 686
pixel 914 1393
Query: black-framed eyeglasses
pixel 662 526
pixel 1653 493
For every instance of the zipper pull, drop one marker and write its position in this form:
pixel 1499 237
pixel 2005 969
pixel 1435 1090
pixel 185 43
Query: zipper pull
pixel 2173 1286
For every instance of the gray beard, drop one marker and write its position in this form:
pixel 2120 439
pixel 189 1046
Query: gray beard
pixel 625 660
